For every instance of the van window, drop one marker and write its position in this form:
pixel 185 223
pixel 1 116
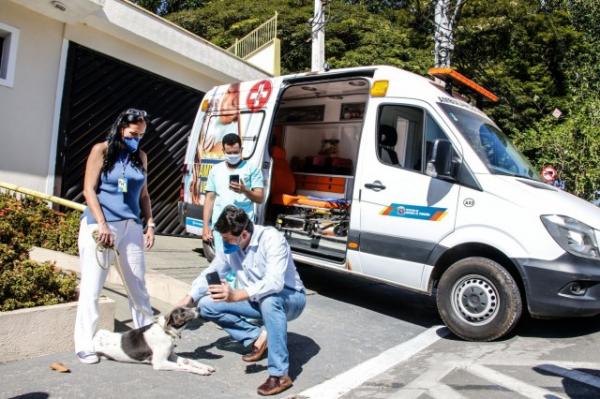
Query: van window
pixel 402 138
pixel 247 124
pixel 491 145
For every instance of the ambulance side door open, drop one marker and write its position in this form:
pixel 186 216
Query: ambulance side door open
pixel 404 212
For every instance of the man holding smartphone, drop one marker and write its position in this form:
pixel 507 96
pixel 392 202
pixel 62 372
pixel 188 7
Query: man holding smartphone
pixel 232 182
pixel 269 288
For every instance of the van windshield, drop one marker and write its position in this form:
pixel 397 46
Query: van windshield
pixel 491 145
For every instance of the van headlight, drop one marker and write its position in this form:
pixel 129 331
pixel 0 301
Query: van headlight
pixel 573 236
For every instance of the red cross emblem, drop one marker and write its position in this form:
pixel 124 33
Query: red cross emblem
pixel 259 95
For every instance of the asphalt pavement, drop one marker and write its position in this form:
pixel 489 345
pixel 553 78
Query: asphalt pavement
pixel 356 339
pixel 346 321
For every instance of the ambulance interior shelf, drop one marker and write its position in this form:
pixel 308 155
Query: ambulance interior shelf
pixel 317 217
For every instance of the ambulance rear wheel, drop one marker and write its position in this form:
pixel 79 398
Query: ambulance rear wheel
pixel 478 299
pixel 209 250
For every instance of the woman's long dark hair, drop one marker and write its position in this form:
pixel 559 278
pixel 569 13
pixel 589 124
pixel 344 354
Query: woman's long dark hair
pixel 115 141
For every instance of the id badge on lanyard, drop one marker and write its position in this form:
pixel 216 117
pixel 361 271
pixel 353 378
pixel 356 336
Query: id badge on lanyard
pixel 122 182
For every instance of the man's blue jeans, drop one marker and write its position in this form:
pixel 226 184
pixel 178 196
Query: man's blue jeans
pixel 275 310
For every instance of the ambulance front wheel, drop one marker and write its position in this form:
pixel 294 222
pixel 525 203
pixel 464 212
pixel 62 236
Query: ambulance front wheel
pixel 209 250
pixel 478 299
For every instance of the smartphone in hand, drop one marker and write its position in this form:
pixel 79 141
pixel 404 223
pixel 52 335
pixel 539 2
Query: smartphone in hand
pixel 234 179
pixel 213 278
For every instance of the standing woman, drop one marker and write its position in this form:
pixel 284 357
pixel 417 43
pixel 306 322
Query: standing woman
pixel 115 190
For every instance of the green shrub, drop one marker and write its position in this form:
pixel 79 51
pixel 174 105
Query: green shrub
pixel 38 225
pixel 68 233
pixel 23 282
pixel 27 284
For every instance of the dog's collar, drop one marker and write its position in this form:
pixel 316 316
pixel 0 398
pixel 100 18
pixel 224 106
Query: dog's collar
pixel 173 332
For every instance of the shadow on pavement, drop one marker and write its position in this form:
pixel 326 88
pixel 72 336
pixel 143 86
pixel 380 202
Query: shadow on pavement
pixel 558 328
pixel 420 309
pixel 121 326
pixel 202 352
pixel 302 349
pixel 391 301
pixel 575 389
pixel 31 395
pixel 199 251
pixel 195 324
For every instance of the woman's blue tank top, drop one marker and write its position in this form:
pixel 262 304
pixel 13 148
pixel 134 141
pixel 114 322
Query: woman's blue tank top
pixel 118 205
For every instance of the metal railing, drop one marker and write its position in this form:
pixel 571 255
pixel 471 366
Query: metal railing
pixel 57 200
pixel 255 39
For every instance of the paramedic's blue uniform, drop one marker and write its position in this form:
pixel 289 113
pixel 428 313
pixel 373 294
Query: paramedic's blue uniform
pixel 218 183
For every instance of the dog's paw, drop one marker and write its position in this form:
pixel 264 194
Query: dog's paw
pixel 205 371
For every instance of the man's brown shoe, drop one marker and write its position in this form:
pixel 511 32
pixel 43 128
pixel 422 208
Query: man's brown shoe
pixel 273 385
pixel 256 354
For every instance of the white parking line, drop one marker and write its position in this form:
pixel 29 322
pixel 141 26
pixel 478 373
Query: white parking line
pixel 345 382
pixel 575 375
pixel 536 362
pixel 443 391
pixel 511 383
pixel 430 383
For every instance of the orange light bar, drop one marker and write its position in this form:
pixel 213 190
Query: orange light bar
pixel 449 74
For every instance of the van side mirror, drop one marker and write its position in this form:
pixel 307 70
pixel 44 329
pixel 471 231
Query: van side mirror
pixel 442 163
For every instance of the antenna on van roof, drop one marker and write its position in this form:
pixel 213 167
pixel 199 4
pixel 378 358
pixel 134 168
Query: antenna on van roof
pixel 453 78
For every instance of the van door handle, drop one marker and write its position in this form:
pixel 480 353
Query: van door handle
pixel 375 186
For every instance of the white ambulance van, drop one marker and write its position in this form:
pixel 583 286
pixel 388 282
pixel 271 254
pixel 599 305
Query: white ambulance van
pixel 382 173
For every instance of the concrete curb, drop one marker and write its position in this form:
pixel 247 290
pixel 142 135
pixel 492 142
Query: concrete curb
pixel 42 330
pixel 160 286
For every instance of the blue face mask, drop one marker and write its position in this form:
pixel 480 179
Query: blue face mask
pixel 230 248
pixel 132 143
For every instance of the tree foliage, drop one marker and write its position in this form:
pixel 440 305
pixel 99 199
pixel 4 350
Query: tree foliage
pixel 354 35
pixel 163 7
pixel 573 141
pixel 521 53
pixel 537 55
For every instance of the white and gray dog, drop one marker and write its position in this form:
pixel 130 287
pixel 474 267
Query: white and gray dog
pixel 153 344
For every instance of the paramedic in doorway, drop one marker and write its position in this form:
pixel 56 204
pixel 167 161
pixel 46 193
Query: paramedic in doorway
pixel 116 193
pixel 269 288
pixel 222 191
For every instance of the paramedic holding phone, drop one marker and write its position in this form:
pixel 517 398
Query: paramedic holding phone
pixel 232 182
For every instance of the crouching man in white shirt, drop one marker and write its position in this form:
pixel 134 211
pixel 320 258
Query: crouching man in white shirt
pixel 268 288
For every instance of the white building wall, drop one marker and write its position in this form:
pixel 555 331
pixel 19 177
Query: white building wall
pixel 267 58
pixel 27 108
pixel 138 56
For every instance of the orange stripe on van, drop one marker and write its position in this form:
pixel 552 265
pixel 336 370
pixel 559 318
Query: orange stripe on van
pixel 387 210
pixel 439 215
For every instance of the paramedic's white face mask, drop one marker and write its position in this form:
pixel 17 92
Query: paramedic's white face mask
pixel 233 159
pixel 233 154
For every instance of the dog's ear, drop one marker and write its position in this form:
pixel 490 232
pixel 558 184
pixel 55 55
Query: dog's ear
pixel 170 319
pixel 176 317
